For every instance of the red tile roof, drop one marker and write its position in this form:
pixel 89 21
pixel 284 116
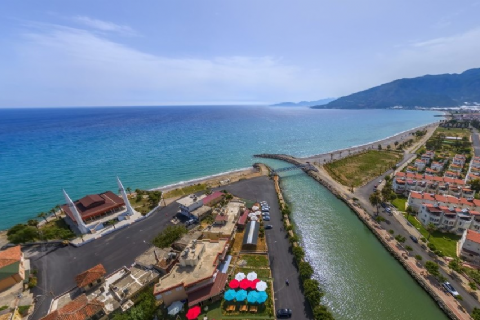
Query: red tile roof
pixel 10 256
pixel 78 309
pixel 90 275
pixel 473 236
pixel 91 205
pixel 212 197
pixel 219 218
pixel 243 218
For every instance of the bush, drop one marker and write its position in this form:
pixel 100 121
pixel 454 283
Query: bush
pixel 321 313
pixel 168 236
pixel 22 233
pixel 431 246
pixel 408 248
pixel 305 270
pixel 293 238
pixel 3 308
pixel 288 228
pixel 312 291
pixel 459 298
pixel 23 310
pixel 418 257
pixel 32 282
pixel 476 314
pixel 391 231
pixel 298 253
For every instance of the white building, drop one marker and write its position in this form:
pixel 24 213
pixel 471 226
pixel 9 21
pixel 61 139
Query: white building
pixel 437 166
pixel 448 219
pixel 470 246
pixel 420 164
pixel 459 160
pixel 190 203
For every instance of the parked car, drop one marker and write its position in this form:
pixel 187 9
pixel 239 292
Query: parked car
pixel 266 218
pixel 284 313
pixel 265 213
pixel 388 210
pixel 450 289
pixel 268 226
pixel 380 181
pixel 265 210
pixel 414 239
pixel 383 204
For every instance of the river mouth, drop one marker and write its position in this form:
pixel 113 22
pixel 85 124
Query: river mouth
pixel 360 278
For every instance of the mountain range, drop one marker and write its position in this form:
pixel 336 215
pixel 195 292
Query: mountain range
pixel 444 90
pixel 304 103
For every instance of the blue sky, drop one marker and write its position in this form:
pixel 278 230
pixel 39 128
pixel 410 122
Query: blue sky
pixel 105 53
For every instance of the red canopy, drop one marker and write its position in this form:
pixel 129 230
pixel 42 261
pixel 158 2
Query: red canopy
pixel 254 283
pixel 234 284
pixel 193 313
pixel 245 284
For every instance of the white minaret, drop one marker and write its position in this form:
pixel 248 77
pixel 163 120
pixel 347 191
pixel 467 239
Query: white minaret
pixel 125 198
pixel 81 225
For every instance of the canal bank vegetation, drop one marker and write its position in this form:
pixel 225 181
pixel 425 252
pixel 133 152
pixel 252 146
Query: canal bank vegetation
pixel 358 169
pixel 311 287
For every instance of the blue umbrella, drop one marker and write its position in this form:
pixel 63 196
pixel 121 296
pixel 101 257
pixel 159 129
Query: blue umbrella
pixel 262 297
pixel 241 295
pixel 252 296
pixel 229 295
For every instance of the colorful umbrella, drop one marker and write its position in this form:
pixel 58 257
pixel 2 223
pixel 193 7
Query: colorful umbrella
pixel 245 284
pixel 254 218
pixel 261 286
pixel 229 295
pixel 262 297
pixel 234 284
pixel 252 275
pixel 241 295
pixel 255 208
pixel 253 283
pixel 240 276
pixel 252 296
pixel 193 313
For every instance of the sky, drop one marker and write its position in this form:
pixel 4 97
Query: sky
pixel 57 53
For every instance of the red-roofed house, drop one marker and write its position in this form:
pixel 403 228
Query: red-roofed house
pixel 78 309
pixel 242 221
pixel 470 246
pixel 91 278
pixel 12 268
pixel 213 199
pixel 437 166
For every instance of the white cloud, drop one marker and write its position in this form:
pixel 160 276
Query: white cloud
pixel 67 66
pixel 104 25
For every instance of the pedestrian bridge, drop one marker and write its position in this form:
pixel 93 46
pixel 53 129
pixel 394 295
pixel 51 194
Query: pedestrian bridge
pixel 306 167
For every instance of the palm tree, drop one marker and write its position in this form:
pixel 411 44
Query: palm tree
pixel 54 212
pixel 33 223
pixel 129 190
pixel 430 228
pixel 43 215
pixel 375 199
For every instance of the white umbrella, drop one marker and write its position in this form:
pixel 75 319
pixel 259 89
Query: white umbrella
pixel 261 286
pixel 240 276
pixel 251 214
pixel 254 218
pixel 175 308
pixel 258 213
pixel 252 276
pixel 255 208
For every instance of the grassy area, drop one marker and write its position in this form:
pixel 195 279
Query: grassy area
pixel 445 242
pixel 399 203
pixel 451 132
pixel 358 169
pixel 142 206
pixel 185 190
pixel 255 261
pixel 261 273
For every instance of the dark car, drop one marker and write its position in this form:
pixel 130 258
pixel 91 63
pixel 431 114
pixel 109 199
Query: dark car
pixel 414 239
pixel 383 204
pixel 284 313
pixel 266 218
pixel 268 226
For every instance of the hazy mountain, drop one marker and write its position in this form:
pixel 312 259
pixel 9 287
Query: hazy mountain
pixel 303 103
pixel 444 90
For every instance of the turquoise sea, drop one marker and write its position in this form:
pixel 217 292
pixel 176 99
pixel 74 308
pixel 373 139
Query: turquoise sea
pixel 82 150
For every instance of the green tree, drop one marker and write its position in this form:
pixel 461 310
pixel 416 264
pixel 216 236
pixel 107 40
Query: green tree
pixel 432 268
pixel 430 229
pixel 169 235
pixel 129 190
pixel 379 146
pixel 321 312
pixel 43 215
pixel 33 223
pixel 375 199
pixel 298 253
pixel 305 270
pixel 476 314
pixel 455 264
pixel 54 212
pixel 389 147
pixel 418 257
pixel 312 291
pixel 472 285
pixel 475 184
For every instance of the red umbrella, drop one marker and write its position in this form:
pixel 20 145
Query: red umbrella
pixel 245 284
pixel 253 283
pixel 193 313
pixel 234 284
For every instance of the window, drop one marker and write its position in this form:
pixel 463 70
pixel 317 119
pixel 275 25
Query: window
pixel 168 293
pixel 178 289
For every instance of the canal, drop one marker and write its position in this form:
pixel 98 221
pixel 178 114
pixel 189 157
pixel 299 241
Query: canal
pixel 360 278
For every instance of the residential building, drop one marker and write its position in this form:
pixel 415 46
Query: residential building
pixel 470 246
pixel 198 276
pixel 437 166
pixel 91 278
pixel 448 219
pixel 459 160
pixel 14 268
pixel 416 199
pixel 225 221
pixel 213 199
pixel 162 260
pixel 189 204
pixel 79 309
pixel 420 164
pixel 186 239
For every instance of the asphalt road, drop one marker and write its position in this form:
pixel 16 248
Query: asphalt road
pixel 282 261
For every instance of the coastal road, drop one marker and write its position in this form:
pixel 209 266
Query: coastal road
pixel 282 261
pixel 476 142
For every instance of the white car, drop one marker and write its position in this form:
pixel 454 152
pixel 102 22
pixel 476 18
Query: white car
pixel 450 289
